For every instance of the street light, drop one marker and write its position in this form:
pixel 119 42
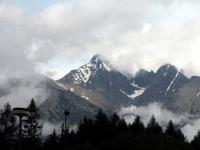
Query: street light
pixel 21 112
pixel 67 113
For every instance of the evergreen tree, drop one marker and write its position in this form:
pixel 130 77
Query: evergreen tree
pixel 8 121
pixel 179 135
pixel 114 120
pixel 51 143
pixel 122 126
pixel 7 127
pixel 137 126
pixel 32 127
pixel 196 141
pixel 114 124
pixel 86 130
pixel 101 119
pixel 153 128
pixel 170 130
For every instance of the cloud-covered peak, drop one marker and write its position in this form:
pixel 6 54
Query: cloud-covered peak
pixel 167 68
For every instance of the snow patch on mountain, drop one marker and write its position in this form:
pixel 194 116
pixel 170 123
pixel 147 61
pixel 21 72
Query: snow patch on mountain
pixel 198 93
pixel 166 72
pixel 85 97
pixel 62 86
pixel 135 94
pixel 107 67
pixel 134 84
pixel 83 74
pixel 72 89
pixel 168 88
pixel 123 92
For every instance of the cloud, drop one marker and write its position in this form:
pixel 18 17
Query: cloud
pixel 132 34
pixel 146 112
pixel 191 129
pixel 189 124
pixel 49 127
pixel 19 91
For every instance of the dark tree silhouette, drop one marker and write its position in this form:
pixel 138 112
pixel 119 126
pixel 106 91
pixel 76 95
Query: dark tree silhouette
pixel 153 127
pixel 32 128
pixel 171 132
pixel 137 127
pixel 196 141
pixel 100 133
pixel 179 135
pixel 52 141
pixel 86 130
pixel 8 121
pixel 7 127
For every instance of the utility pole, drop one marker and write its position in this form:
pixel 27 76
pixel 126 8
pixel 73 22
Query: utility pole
pixel 66 113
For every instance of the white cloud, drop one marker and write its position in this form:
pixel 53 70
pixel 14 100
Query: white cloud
pixel 132 34
pixel 189 124
pixel 146 112
pixel 191 129
pixel 19 91
pixel 49 127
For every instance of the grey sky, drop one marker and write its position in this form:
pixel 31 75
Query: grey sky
pixel 132 34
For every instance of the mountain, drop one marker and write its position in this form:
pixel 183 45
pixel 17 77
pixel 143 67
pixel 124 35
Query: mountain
pixel 107 88
pixel 98 85
pixel 101 84
pixel 53 99
pixel 187 98
pixel 58 99
pixel 160 86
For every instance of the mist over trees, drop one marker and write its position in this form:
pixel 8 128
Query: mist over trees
pixel 103 132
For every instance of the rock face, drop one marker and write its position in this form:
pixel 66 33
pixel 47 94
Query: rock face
pixel 60 99
pixel 53 99
pixel 187 98
pixel 160 86
pixel 97 85
pixel 100 84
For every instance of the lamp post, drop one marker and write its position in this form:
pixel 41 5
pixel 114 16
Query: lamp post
pixel 67 113
pixel 21 112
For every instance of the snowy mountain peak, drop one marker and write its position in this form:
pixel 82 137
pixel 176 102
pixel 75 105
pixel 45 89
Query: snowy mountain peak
pixel 81 75
pixel 100 62
pixel 166 69
pixel 141 72
pixel 95 59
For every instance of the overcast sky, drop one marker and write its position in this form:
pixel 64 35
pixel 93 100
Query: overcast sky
pixel 55 36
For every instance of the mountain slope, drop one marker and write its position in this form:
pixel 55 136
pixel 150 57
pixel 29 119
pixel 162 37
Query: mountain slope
pixel 162 85
pixel 101 84
pixel 51 97
pixel 59 99
pixel 97 85
pixel 187 99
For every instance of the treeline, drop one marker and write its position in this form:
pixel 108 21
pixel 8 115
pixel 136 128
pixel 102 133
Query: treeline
pixel 99 133
pixel 12 137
